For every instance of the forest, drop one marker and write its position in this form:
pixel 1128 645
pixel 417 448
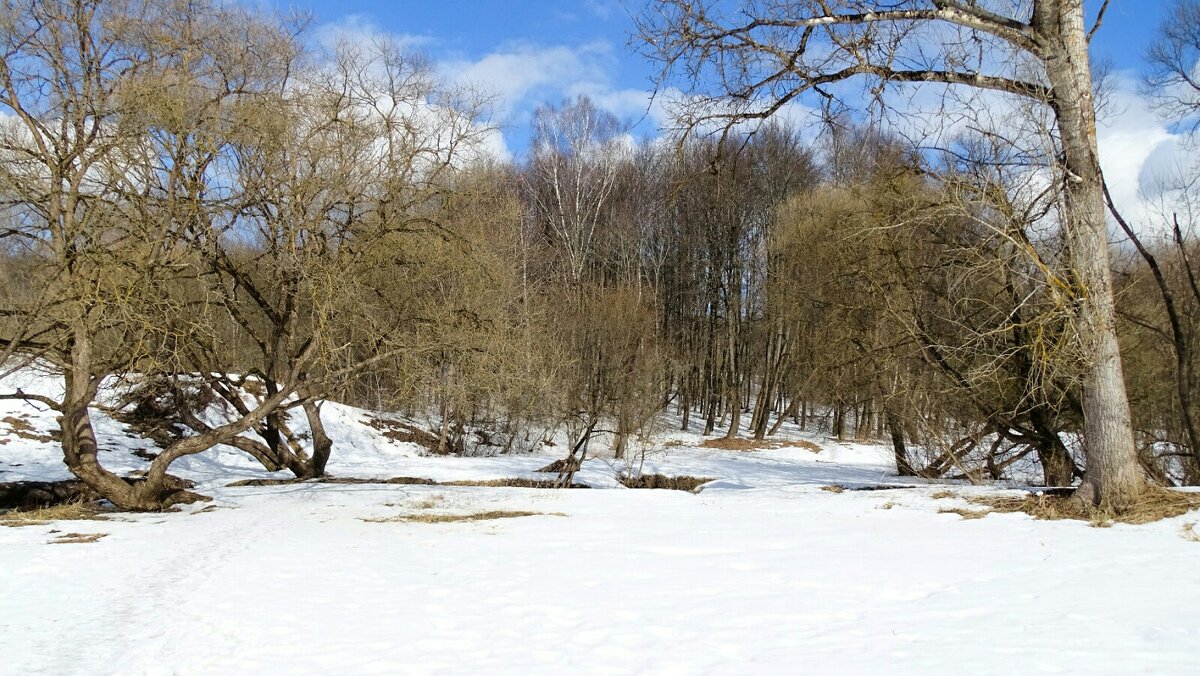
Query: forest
pixel 304 365
pixel 199 201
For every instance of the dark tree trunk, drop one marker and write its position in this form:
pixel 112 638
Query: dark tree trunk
pixel 896 432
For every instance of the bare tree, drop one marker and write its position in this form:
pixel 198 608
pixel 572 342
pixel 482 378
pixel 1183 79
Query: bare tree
pixel 114 105
pixel 576 152
pixel 1171 81
pixel 748 62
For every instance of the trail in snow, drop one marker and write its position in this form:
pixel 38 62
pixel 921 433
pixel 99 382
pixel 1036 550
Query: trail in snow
pixel 760 572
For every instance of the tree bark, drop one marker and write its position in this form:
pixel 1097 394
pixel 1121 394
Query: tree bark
pixel 322 445
pixel 1112 478
pixel 896 432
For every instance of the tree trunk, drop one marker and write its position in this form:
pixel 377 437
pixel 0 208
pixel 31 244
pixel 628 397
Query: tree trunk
pixel 322 445
pixel 1112 478
pixel 1058 469
pixel 903 465
pixel 78 437
pixel 839 421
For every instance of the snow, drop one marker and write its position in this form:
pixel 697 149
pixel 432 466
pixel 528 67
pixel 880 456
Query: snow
pixel 761 571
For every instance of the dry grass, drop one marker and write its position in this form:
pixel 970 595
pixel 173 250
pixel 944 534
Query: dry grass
pixel 943 495
pixel 1188 532
pixel 833 488
pixel 561 465
pixel 965 513
pixel 45 515
pixel 430 502
pixel 1155 504
pixel 77 538
pixel 23 429
pixel 806 445
pixel 740 444
pixel 407 480
pixel 675 483
pixel 509 483
pixel 887 505
pixel 455 518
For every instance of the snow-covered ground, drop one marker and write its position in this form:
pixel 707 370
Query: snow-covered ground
pixel 759 572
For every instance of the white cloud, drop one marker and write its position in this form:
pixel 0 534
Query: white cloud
pixel 523 75
pixel 519 72
pixel 1143 160
pixel 356 28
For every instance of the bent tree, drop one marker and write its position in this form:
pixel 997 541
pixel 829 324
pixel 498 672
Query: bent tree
pixel 745 61
pixel 109 112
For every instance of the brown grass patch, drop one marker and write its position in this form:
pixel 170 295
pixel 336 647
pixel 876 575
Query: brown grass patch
pixel 455 518
pixel 77 538
pixel 395 430
pixel 943 495
pixel 833 488
pixel 408 480
pixel 37 517
pixel 675 483
pixel 965 513
pixel 887 505
pixel 741 444
pixel 334 480
pixel 509 483
pixel 1154 505
pixel 561 465
pixel 806 445
pixel 23 429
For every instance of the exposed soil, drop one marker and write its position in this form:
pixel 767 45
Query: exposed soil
pixel 20 427
pixel 403 432
pixel 676 483
pixel 28 495
pixel 561 465
pixel 743 444
pixel 420 481
pixel 838 488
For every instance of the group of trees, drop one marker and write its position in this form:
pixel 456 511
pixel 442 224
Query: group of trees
pixel 201 204
pixel 192 191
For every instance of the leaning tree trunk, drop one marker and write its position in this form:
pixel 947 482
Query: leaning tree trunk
pixel 78 437
pixel 1112 477
pixel 322 445
pixel 899 450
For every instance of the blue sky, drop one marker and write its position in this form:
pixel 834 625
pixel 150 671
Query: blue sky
pixel 537 51
pixel 530 52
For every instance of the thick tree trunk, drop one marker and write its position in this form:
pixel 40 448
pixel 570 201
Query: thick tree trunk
pixel 78 437
pixel 1112 477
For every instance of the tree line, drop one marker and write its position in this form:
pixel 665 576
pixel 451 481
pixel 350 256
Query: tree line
pixel 204 207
